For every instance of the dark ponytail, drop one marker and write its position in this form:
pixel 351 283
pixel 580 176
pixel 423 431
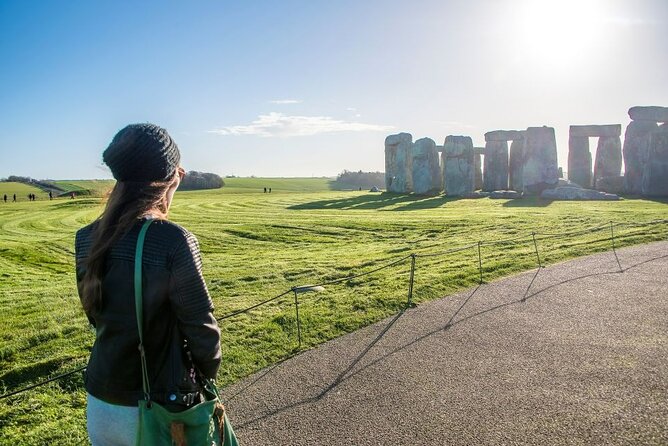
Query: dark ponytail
pixel 127 202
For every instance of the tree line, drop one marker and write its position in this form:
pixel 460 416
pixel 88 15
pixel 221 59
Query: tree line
pixel 355 180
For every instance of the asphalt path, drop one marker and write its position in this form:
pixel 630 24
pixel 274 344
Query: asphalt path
pixel 580 358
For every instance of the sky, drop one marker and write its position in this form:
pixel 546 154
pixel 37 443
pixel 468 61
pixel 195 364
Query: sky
pixel 313 87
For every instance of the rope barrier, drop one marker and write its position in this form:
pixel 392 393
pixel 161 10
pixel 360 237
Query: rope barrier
pixel 534 237
pixel 345 279
pixel 245 310
pixel 449 251
pixel 55 378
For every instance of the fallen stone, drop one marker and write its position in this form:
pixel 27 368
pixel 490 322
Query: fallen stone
pixel 508 194
pixel 636 153
pixel 612 185
pixel 655 175
pixel 539 170
pixel 649 113
pixel 374 189
pixel 426 171
pixel 596 130
pixel 608 158
pixel 476 194
pixel 516 164
pixel 495 171
pixel 398 157
pixel 458 165
pixel 579 160
pixel 504 135
pixel 576 193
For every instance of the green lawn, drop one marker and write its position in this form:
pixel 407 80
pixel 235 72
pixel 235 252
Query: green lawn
pixel 257 245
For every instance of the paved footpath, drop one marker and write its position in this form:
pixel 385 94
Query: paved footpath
pixel 583 360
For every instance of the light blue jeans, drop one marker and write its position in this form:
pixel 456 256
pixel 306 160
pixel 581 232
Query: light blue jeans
pixel 111 424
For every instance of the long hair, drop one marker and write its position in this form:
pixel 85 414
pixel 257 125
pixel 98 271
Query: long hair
pixel 127 202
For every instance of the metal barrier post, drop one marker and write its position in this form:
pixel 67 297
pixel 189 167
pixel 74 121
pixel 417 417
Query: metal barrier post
pixel 535 245
pixel 614 251
pixel 299 325
pixel 411 281
pixel 480 261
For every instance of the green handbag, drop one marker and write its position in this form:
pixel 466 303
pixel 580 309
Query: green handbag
pixel 205 423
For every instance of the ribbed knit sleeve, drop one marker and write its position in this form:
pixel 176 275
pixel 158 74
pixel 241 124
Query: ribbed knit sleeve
pixel 193 306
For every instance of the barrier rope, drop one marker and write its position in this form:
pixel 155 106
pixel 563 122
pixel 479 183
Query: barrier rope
pixel 55 378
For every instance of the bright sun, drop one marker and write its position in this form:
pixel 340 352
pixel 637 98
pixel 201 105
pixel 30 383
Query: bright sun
pixel 559 31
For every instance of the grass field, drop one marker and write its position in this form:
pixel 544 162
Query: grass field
pixel 257 245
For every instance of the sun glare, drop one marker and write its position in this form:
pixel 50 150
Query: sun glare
pixel 557 32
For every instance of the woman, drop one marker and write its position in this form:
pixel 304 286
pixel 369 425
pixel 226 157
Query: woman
pixel 180 330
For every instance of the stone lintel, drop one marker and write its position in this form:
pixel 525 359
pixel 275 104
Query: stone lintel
pixel 649 113
pixel 595 130
pixel 479 150
pixel 504 135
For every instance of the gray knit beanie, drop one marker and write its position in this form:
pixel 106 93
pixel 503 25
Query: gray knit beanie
pixel 142 152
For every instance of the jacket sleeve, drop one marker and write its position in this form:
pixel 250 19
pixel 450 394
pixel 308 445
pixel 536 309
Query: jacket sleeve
pixel 193 307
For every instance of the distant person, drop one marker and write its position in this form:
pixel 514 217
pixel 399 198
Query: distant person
pixel 50 195
pixel 14 199
pixel 265 190
pixel 270 190
pixel 145 161
pixel 5 198
pixel 72 195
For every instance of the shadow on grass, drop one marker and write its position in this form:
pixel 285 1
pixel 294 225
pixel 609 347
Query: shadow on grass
pixel 378 201
pixel 528 202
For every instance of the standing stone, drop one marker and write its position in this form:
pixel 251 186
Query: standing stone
pixel 655 175
pixel 398 157
pixel 458 165
pixel 426 170
pixel 636 153
pixel 515 164
pixel 608 158
pixel 539 171
pixel 495 172
pixel 477 158
pixel 579 160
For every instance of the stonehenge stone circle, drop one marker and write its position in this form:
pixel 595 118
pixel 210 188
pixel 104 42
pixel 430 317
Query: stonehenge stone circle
pixel 608 158
pixel 530 166
pixel 651 113
pixel 426 169
pixel 516 164
pixel 398 157
pixel 540 160
pixel 458 165
pixel 495 171
pixel 579 160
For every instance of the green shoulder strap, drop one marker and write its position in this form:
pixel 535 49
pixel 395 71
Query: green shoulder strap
pixel 139 306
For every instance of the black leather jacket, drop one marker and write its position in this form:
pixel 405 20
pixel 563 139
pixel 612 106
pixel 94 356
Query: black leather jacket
pixel 177 308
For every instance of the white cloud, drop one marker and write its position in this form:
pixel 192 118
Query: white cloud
pixel 286 101
pixel 281 125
